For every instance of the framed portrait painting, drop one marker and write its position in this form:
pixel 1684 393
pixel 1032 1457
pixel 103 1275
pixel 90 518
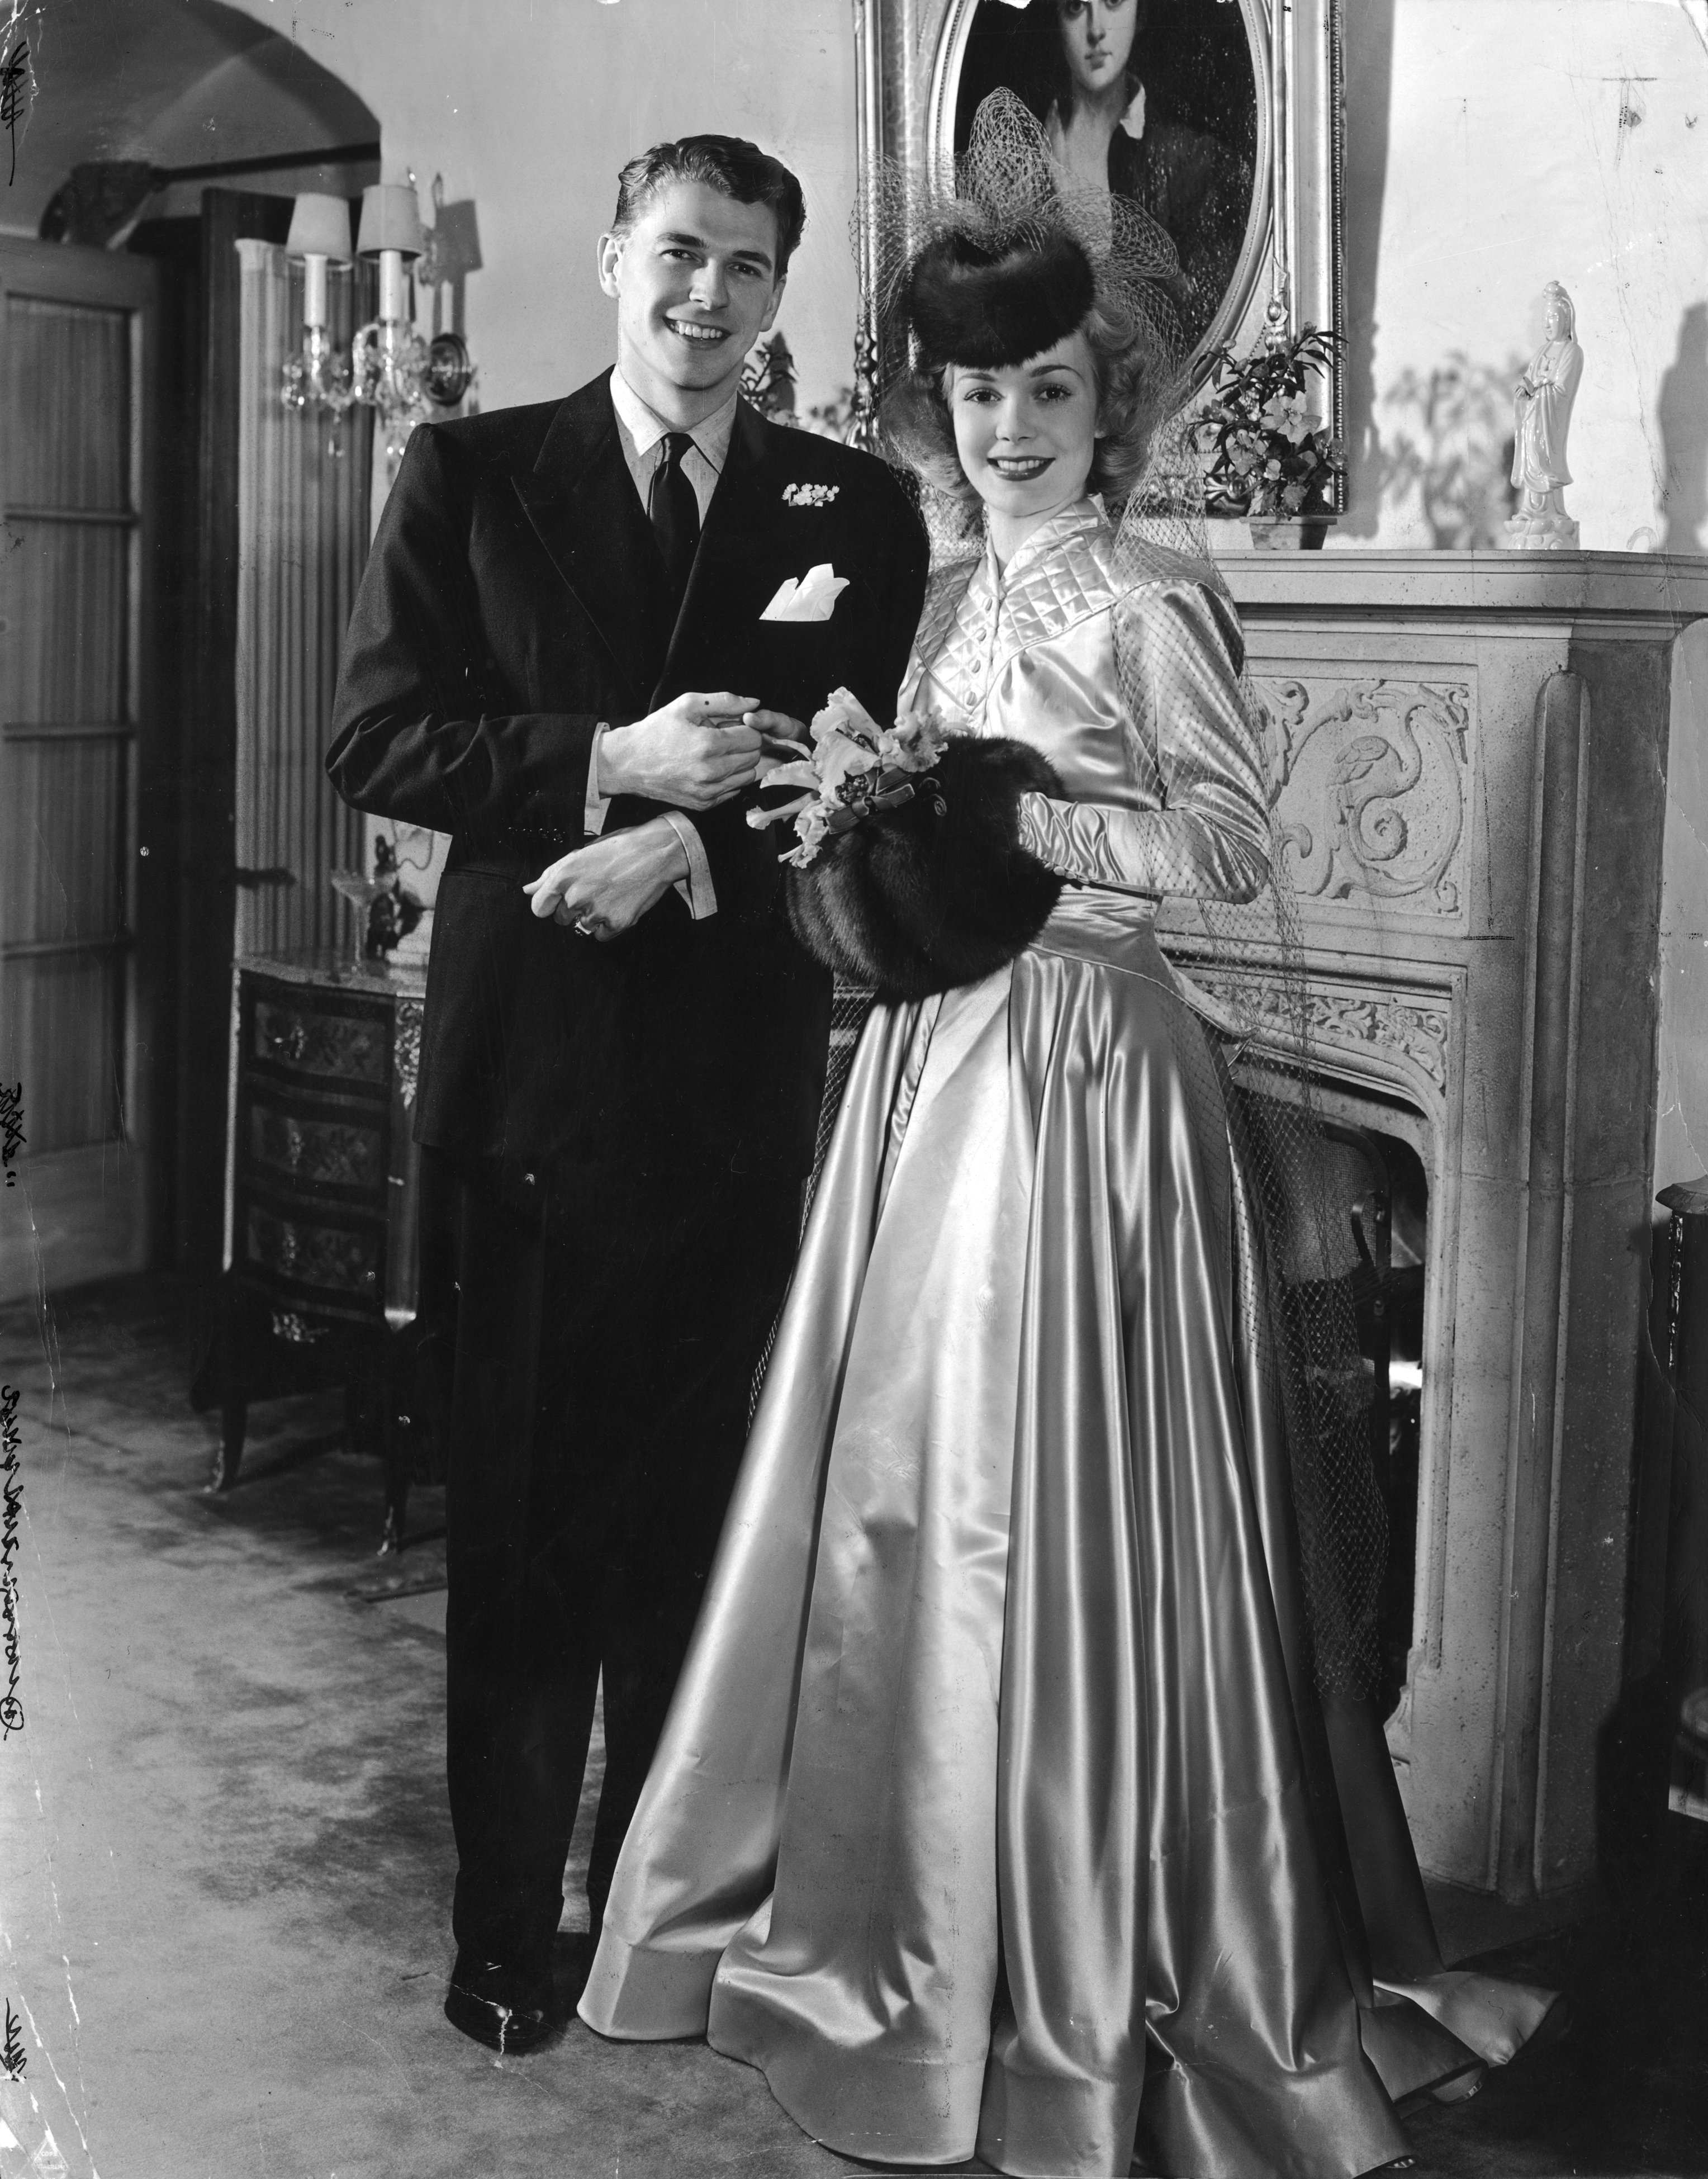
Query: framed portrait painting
pixel 1221 119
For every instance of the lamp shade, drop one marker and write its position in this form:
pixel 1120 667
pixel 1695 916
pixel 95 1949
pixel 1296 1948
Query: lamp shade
pixel 391 220
pixel 320 227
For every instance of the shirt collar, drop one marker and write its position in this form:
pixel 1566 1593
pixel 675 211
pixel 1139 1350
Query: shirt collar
pixel 645 427
pixel 1131 123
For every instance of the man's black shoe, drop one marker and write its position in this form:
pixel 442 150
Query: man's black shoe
pixel 507 2009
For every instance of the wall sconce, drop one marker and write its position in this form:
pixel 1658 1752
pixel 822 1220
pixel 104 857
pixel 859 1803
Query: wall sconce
pixel 319 237
pixel 391 369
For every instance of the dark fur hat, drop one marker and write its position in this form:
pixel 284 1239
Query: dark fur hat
pixel 937 891
pixel 989 304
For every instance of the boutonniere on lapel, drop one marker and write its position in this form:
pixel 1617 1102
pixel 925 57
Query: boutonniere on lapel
pixel 810 596
pixel 809 495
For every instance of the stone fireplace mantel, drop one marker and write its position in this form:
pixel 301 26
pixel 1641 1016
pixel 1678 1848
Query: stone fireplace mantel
pixel 1474 749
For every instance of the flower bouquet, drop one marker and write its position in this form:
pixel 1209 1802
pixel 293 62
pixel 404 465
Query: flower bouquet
pixel 1266 453
pixel 907 874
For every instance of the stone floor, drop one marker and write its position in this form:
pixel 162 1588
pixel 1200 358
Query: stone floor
pixel 225 1860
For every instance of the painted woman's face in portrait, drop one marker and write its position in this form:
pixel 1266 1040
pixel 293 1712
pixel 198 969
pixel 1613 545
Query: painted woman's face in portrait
pixel 1097 41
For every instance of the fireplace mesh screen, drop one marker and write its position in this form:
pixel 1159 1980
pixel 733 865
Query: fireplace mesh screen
pixel 1315 1271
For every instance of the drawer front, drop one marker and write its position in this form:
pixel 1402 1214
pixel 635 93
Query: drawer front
pixel 303 1039
pixel 318 1150
pixel 344 1261
pixel 322 1173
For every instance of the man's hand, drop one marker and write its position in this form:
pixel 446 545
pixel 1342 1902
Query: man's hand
pixel 696 752
pixel 607 888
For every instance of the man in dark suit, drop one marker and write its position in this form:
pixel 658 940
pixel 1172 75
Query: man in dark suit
pixel 560 656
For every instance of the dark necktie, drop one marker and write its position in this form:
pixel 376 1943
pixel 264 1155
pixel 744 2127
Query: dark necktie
pixel 675 514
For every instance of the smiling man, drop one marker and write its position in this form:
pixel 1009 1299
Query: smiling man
pixel 559 657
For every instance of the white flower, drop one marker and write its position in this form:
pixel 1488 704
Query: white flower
pixel 804 774
pixel 840 760
pixel 914 742
pixel 811 829
pixel 845 714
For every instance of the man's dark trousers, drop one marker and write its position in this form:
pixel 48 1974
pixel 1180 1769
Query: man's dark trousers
pixel 585 1496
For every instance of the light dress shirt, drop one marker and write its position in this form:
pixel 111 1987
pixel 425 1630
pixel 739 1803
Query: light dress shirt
pixel 642 432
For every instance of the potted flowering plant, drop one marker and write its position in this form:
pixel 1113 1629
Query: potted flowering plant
pixel 1267 453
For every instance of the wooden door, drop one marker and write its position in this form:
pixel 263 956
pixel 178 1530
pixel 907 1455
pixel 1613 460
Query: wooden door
pixel 76 356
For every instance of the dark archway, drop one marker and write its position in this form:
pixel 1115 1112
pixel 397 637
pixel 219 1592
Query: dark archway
pixel 144 100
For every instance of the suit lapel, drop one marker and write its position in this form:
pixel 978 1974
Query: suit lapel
pixel 582 502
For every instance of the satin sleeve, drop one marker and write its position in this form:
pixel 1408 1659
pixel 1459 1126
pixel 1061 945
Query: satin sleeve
pixel 1176 655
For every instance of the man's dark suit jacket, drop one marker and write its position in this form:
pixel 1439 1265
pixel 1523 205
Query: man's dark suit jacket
pixel 510 604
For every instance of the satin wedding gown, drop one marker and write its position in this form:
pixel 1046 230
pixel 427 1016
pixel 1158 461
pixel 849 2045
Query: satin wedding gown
pixel 981 1821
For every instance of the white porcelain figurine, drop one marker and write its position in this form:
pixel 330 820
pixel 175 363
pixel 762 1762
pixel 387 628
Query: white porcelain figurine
pixel 1542 417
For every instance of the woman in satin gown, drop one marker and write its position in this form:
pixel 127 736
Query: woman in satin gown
pixel 983 1819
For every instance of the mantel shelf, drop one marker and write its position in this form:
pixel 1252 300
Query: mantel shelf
pixel 1671 587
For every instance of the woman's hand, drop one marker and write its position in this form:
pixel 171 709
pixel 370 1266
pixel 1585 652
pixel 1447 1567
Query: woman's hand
pixel 607 886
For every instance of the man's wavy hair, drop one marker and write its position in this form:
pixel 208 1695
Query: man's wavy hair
pixel 1137 389
pixel 730 164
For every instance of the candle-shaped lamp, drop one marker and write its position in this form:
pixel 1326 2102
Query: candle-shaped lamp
pixel 391 232
pixel 320 236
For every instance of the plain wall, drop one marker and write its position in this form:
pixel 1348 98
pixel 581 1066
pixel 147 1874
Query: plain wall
pixel 530 107
pixel 1524 141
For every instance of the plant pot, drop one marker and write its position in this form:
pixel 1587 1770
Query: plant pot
pixel 1288 533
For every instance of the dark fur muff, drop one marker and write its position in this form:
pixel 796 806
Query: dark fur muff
pixel 938 892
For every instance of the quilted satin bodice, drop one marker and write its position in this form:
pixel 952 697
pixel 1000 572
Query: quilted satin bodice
pixel 1165 789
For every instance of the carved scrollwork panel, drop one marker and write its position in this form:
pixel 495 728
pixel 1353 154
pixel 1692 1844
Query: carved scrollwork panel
pixel 1405 1028
pixel 1382 1033
pixel 1372 788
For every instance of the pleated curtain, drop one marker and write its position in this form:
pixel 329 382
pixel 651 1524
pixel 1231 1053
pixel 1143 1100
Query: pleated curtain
pixel 302 493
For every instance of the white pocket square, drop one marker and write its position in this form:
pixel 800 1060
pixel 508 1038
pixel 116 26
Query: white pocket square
pixel 810 596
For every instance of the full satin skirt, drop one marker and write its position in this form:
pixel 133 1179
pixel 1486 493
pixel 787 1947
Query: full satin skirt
pixel 983 1819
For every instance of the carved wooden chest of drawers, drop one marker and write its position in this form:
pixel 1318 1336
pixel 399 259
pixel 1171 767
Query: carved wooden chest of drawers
pixel 322 1194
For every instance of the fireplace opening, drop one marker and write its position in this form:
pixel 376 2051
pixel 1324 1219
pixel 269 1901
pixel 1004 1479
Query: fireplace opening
pixel 1379 1185
pixel 1349 1201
